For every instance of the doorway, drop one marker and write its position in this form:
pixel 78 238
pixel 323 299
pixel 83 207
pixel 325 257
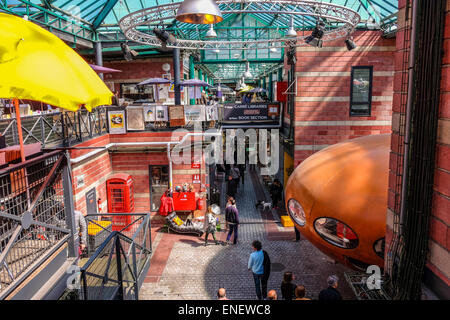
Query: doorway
pixel 159 183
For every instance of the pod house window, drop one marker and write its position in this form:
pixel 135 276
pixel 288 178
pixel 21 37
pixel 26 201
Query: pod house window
pixel 361 91
pixel 336 232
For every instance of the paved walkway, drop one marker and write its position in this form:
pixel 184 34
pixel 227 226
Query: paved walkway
pixel 182 268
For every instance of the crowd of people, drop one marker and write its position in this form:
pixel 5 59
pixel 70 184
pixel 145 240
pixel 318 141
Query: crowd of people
pixel 259 264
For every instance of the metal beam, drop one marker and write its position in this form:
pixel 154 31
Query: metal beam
pixel 103 13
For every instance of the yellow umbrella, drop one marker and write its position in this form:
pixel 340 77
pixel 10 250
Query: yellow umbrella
pixel 247 89
pixel 37 65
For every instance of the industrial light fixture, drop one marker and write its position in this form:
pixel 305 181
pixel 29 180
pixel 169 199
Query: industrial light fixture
pixel 128 53
pixel 272 48
pixel 371 24
pixel 211 33
pixel 315 38
pixel 247 73
pixel 216 50
pixel 291 32
pixel 350 44
pixel 199 12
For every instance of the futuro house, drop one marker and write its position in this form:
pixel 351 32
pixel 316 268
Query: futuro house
pixel 337 199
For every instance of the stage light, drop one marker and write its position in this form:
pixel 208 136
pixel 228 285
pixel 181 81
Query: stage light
pixel 350 44
pixel 128 53
pixel 315 38
pixel 199 12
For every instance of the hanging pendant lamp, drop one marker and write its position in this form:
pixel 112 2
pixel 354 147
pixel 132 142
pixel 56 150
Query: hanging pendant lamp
pixel 211 33
pixel 199 12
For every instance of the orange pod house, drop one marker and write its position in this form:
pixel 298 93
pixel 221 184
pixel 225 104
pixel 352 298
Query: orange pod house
pixel 337 199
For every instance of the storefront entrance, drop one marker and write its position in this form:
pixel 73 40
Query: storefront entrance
pixel 159 183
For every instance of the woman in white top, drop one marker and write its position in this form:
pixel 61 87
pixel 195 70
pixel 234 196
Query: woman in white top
pixel 209 225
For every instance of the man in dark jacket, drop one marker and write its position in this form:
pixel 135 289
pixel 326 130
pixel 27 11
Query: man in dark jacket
pixel 331 293
pixel 232 219
pixel 276 192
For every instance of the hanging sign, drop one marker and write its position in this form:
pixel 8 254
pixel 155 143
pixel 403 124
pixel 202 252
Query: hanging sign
pixel 117 122
pixel 195 165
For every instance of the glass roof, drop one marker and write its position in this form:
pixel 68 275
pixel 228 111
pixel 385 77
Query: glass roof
pixel 109 12
pixel 96 19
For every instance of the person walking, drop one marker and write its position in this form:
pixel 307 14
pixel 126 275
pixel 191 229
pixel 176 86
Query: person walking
pixel 231 186
pixel 256 265
pixel 331 293
pixel 209 225
pixel 236 175
pixel 242 172
pixel 276 192
pixel 287 286
pixel 232 220
pixel 300 293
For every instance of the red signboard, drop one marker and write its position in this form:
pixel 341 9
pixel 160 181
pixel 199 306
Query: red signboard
pixel 195 165
pixel 196 178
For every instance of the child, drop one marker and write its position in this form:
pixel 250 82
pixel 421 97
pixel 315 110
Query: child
pixel 210 225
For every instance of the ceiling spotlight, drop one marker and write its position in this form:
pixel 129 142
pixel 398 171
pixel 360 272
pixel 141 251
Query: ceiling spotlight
pixel 216 50
pixel 211 33
pixel 128 53
pixel 236 55
pixel 315 38
pixel 199 12
pixel 164 36
pixel 350 43
pixel 291 32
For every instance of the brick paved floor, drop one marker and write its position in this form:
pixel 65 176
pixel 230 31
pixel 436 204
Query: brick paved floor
pixel 182 268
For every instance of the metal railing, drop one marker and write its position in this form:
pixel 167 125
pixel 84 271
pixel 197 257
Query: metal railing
pixel 56 128
pixel 33 220
pixel 117 267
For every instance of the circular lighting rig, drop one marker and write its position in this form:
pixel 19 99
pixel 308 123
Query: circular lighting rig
pixel 341 21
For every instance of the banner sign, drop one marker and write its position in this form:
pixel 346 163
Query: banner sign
pixel 249 112
pixel 116 121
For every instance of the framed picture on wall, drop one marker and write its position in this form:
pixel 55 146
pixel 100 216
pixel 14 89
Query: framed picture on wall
pixel 135 118
pixel 176 116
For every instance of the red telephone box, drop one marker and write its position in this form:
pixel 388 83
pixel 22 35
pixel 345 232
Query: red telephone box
pixel 120 191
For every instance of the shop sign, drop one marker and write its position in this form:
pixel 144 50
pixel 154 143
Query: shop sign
pixel 195 165
pixel 196 178
pixel 249 112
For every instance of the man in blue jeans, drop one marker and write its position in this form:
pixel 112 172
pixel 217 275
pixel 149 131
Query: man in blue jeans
pixel 256 265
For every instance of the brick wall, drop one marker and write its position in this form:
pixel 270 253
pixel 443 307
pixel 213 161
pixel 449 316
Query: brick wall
pixel 139 70
pixel 322 105
pixel 437 275
pixel 97 169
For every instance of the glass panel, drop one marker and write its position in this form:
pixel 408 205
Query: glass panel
pixel 337 233
pixel 296 211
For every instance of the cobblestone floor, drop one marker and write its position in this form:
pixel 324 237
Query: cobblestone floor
pixel 193 271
